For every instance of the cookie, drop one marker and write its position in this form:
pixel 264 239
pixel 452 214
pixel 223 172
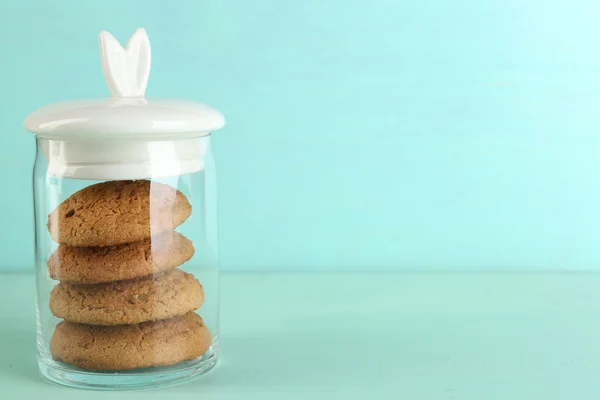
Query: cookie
pixel 124 261
pixel 117 212
pixel 151 298
pixel 123 347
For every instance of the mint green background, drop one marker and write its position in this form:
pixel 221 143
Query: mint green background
pixel 361 134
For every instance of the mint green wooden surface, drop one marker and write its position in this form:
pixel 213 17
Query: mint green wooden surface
pixel 359 336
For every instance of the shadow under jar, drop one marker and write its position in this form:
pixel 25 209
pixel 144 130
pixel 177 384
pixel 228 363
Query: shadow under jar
pixel 125 242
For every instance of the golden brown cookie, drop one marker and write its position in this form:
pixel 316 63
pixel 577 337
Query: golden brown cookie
pixel 116 212
pixel 122 347
pixel 151 298
pixel 124 261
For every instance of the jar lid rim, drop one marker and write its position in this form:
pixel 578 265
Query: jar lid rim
pixel 124 118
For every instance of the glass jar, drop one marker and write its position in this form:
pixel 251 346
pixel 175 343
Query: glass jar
pixel 125 241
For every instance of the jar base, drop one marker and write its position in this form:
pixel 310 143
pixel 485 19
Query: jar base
pixel 67 375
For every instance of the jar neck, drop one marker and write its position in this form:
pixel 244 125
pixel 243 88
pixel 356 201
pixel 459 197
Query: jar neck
pixel 123 159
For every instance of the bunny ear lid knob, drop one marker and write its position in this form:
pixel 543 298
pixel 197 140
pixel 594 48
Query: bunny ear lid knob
pixel 126 70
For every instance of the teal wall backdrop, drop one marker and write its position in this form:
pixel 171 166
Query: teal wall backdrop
pixel 380 134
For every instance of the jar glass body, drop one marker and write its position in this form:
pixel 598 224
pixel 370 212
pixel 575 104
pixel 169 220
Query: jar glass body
pixel 126 262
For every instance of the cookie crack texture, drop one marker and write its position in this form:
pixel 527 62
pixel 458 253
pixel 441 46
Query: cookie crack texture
pixel 151 298
pixel 89 265
pixel 118 212
pixel 131 346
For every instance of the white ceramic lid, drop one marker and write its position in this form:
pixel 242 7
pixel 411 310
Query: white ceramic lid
pixel 127 114
pixel 123 118
pixel 124 121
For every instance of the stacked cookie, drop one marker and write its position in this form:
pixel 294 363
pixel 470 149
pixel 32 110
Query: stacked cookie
pixel 124 303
